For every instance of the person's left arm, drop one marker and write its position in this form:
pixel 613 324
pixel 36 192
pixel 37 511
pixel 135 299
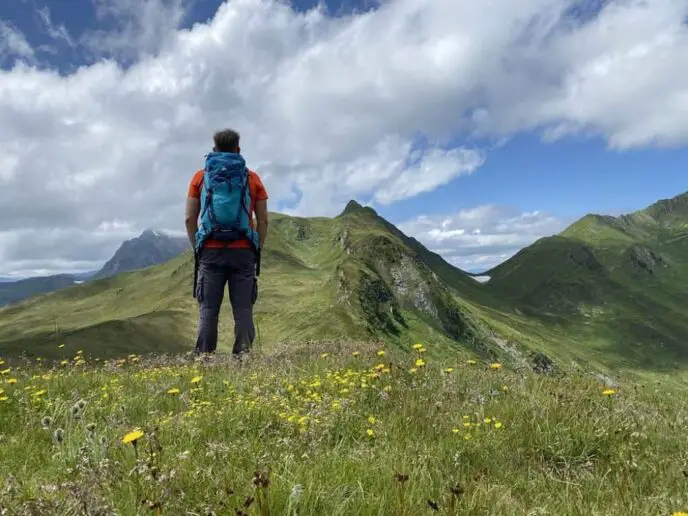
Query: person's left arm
pixel 261 208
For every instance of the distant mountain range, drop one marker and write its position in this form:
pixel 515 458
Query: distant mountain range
pixel 150 248
pixel 608 294
pixel 15 291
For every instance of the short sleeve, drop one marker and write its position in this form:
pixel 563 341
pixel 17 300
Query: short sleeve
pixel 259 193
pixel 196 184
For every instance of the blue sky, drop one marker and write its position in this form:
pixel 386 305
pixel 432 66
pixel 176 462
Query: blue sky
pixel 528 121
pixel 79 17
pixel 568 178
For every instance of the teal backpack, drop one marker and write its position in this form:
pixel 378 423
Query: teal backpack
pixel 225 204
pixel 225 201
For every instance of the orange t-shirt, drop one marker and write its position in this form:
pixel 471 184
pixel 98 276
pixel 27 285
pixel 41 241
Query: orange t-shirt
pixel 258 193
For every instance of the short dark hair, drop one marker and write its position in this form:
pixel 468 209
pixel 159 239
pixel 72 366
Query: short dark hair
pixel 226 140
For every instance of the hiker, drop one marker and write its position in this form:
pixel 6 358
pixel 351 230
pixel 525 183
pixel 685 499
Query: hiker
pixel 226 195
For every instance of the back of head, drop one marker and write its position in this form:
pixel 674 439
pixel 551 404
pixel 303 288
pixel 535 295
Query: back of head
pixel 226 140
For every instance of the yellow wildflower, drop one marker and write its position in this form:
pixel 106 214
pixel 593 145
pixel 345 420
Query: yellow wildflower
pixel 370 432
pixel 471 362
pixel 356 353
pixel 3 398
pixel 11 381
pixel 324 355
pixel 371 420
pixel 381 353
pixel 5 371
pixel 196 379
pixel 133 436
pixel 449 370
pixel 173 391
pixel 498 425
pixel 420 362
pixel 495 365
pixel 608 392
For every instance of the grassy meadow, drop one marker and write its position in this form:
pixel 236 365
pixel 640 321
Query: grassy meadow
pixel 333 427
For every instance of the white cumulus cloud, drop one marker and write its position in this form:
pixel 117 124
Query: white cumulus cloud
pixel 479 238
pixel 140 27
pixel 328 108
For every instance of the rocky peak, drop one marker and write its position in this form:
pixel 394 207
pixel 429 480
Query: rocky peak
pixel 353 207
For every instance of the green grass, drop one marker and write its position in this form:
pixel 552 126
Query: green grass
pixel 473 440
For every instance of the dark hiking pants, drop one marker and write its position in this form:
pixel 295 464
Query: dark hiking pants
pixel 236 269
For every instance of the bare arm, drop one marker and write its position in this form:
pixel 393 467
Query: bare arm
pixel 193 209
pixel 262 221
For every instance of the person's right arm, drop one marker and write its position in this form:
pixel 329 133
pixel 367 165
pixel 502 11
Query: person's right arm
pixel 193 208
pixel 262 220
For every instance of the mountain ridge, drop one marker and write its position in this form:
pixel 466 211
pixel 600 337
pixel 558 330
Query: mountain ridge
pixel 352 275
pixel 151 247
pixel 596 295
pixel 626 275
pixel 14 291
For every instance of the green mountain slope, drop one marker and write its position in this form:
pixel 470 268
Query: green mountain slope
pixel 609 294
pixel 620 282
pixel 351 276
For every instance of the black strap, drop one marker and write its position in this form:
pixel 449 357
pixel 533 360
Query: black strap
pixel 258 263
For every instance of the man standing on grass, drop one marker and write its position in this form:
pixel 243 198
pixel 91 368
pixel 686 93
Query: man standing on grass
pixel 226 195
